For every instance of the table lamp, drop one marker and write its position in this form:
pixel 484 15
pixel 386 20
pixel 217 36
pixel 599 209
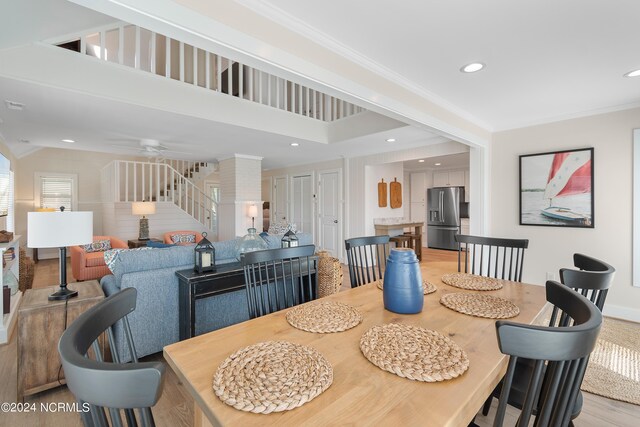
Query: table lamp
pixel 253 213
pixel 143 208
pixel 59 230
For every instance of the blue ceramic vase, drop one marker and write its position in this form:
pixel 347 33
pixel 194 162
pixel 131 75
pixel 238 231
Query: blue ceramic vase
pixel 402 290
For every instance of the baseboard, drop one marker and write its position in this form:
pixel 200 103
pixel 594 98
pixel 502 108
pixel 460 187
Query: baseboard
pixel 619 312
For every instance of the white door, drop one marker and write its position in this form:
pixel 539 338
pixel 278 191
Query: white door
pixel 302 203
pixel 329 212
pixel 279 199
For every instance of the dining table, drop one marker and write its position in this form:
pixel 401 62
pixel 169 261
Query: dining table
pixel 362 393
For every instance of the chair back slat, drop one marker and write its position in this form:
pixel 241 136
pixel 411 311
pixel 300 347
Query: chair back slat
pixel 366 257
pixel 276 279
pixel 492 257
pixel 115 386
pixel 563 349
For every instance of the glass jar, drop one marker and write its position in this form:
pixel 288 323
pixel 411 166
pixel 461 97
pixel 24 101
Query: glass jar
pixel 251 242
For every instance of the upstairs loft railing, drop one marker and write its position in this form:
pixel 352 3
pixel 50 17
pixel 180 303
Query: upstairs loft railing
pixel 144 50
pixel 130 181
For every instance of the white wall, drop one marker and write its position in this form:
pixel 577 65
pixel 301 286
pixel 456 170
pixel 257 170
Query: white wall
pixel 551 248
pixel 372 176
pixel 87 165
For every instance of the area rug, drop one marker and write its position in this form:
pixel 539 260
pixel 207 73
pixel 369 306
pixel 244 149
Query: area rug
pixel 614 366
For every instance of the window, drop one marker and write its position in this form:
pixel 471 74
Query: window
pixel 56 190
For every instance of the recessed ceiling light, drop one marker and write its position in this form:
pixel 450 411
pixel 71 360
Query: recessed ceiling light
pixel 391 140
pixel 294 144
pixel 472 68
pixel 68 141
pixel 438 164
pixel 634 73
pixel 421 161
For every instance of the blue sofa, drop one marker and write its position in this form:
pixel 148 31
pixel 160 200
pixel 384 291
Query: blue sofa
pixel 154 323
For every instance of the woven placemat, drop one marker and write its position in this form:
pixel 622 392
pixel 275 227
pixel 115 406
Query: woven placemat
pixel 272 376
pixel 413 352
pixel 480 305
pixel 324 317
pixel 472 282
pixel 427 287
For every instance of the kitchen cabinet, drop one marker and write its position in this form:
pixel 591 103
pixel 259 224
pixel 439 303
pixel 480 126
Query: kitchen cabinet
pixel 448 179
pixel 418 212
pixel 418 187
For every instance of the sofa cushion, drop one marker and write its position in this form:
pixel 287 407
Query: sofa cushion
pixel 94 259
pixel 98 246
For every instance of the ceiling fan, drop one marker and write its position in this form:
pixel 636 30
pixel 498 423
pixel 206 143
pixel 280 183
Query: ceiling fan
pixel 149 147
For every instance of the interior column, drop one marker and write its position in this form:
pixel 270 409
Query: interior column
pixel 240 187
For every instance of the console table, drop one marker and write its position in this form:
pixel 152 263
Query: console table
pixel 193 286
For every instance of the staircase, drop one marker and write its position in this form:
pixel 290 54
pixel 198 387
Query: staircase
pixel 196 172
pixel 131 181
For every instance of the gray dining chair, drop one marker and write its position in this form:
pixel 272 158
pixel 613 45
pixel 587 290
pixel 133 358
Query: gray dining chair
pixel 592 279
pixel 118 387
pixel 491 256
pixel 276 279
pixel 366 257
pixel 558 356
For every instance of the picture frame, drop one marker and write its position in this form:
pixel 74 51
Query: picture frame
pixel 556 188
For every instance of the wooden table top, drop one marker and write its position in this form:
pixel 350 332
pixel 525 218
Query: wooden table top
pixel 362 393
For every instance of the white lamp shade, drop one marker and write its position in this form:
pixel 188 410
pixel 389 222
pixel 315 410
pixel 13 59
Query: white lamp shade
pixel 143 208
pixel 253 211
pixel 58 229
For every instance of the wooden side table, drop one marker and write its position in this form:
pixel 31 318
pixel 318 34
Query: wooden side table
pixel 140 243
pixel 40 325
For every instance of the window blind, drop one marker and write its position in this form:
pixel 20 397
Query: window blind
pixel 56 192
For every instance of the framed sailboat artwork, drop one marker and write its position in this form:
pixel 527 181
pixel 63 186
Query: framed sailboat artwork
pixel 556 189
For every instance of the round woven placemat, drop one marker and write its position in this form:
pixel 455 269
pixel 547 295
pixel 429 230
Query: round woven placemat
pixel 427 287
pixel 324 317
pixel 472 282
pixel 413 352
pixel 272 376
pixel 480 305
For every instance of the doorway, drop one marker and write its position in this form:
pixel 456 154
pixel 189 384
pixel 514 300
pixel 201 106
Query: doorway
pixel 302 203
pixel 330 211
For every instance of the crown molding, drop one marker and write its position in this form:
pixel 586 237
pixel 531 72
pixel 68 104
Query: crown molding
pixel 569 116
pixel 294 24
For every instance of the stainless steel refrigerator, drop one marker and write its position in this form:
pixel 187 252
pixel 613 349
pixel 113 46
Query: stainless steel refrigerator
pixel 443 216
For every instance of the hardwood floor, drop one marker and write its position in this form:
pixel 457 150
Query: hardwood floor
pixel 175 406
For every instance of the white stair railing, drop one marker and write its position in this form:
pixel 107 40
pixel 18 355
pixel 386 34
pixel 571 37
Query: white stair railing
pixel 131 181
pixel 190 169
pixel 132 46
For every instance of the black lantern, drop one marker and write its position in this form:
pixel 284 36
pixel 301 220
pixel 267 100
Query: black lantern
pixel 289 240
pixel 205 256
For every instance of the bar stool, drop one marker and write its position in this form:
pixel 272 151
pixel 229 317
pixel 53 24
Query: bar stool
pixel 401 241
pixel 415 242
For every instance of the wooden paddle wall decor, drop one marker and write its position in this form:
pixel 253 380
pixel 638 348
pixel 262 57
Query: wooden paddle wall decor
pixel 382 194
pixel 396 194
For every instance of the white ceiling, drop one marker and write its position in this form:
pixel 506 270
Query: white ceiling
pixel 97 124
pixel 546 59
pixel 451 161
